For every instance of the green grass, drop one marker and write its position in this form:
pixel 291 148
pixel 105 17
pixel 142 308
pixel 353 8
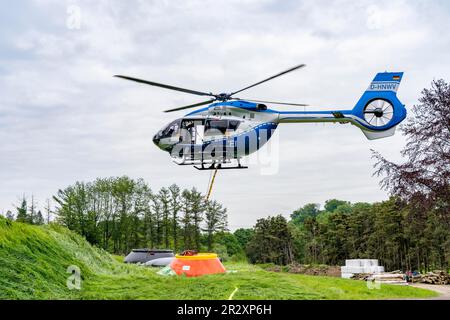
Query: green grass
pixel 34 260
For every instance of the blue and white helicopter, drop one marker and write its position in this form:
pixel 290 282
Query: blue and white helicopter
pixel 229 128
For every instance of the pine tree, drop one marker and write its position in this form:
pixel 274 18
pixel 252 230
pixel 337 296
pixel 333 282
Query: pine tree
pixel 157 220
pixel 9 215
pixel 32 211
pixel 38 218
pixel 164 198
pixel 175 207
pixel 186 220
pixel 197 215
pixel 215 221
pixel 22 212
pixel 48 211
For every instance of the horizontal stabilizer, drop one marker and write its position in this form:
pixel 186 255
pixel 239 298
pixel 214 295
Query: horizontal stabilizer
pixel 374 135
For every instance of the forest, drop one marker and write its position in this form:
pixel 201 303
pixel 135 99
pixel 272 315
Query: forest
pixel 409 231
pixel 391 231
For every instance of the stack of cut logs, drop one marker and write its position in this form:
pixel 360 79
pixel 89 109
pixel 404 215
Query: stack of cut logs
pixel 360 276
pixel 388 278
pixel 435 277
pixel 395 277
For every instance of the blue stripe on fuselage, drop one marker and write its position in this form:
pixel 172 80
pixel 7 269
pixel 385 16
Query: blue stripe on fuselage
pixel 244 137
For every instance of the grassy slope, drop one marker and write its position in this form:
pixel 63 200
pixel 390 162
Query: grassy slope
pixel 33 263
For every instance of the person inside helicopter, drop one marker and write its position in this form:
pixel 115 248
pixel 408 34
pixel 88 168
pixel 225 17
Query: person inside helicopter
pixel 171 130
pixel 192 131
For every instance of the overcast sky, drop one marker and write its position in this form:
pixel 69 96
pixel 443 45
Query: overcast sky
pixel 64 118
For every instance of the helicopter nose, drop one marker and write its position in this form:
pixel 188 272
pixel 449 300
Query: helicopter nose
pixel 156 140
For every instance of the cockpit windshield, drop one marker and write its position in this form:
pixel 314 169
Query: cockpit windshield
pixel 170 130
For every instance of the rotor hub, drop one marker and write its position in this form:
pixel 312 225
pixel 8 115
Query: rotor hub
pixel 378 112
pixel 223 97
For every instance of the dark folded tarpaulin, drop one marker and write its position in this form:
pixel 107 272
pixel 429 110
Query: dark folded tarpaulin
pixel 145 255
pixel 160 262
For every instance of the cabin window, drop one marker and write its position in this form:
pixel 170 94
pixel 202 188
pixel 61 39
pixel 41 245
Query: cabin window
pixel 221 125
pixel 262 107
pixel 233 125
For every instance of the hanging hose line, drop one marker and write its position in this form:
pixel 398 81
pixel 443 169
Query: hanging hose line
pixel 211 183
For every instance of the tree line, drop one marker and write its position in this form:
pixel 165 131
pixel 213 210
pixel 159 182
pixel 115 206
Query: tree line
pixel 119 214
pixel 392 231
pixel 28 212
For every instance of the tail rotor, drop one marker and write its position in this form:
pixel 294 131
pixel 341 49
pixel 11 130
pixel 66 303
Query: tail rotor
pixel 379 113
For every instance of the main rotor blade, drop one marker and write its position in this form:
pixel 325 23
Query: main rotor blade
pixel 165 86
pixel 272 77
pixel 191 106
pixel 274 102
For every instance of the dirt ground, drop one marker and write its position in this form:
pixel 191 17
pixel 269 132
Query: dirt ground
pixel 443 290
pixel 311 270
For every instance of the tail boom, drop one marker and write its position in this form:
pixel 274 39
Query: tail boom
pixel 377 112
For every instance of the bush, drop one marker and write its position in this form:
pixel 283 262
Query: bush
pixel 239 257
pixel 230 242
pixel 221 251
pixel 272 242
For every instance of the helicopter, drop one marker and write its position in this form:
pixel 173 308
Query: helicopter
pixel 219 135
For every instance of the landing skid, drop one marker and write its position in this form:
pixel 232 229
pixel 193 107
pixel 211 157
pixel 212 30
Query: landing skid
pixel 225 164
pixel 219 167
